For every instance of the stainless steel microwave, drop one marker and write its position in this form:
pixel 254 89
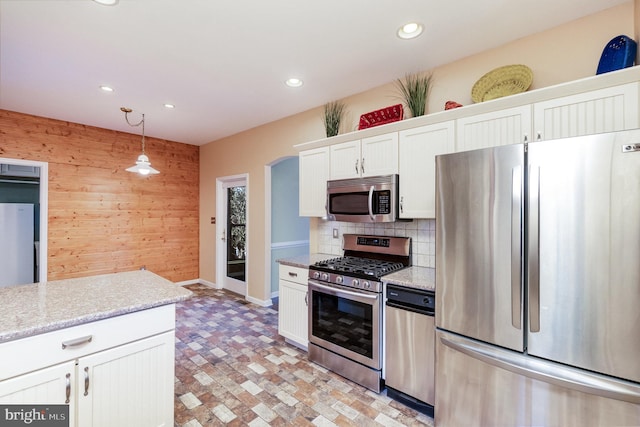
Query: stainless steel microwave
pixel 371 199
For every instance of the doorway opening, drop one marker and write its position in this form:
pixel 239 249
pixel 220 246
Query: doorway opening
pixel 25 182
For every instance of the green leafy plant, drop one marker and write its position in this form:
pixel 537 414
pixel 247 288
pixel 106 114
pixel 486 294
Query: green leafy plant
pixel 333 113
pixel 414 91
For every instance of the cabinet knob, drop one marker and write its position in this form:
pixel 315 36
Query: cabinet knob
pixel 356 165
pixel 292 274
pixel 362 165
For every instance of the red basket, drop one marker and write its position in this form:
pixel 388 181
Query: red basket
pixel 382 116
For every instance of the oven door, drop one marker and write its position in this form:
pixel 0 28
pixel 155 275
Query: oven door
pixel 346 322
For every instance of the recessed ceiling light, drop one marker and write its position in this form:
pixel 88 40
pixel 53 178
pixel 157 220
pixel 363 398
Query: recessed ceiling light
pixel 293 82
pixel 410 30
pixel 106 2
pixel 170 106
pixel 106 88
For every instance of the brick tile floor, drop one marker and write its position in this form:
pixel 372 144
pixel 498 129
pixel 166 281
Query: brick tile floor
pixel 233 369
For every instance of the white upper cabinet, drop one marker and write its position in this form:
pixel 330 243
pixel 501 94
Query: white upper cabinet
pixel 314 172
pixel 376 155
pixel 509 126
pixel 600 104
pixel 418 149
pixel 604 110
pixel 379 155
pixel 344 160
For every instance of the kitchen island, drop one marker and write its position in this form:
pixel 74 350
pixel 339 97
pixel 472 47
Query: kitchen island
pixel 103 345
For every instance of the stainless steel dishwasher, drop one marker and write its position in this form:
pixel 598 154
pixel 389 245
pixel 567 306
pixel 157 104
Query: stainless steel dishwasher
pixel 410 347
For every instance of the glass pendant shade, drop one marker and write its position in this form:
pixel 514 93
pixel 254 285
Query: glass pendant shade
pixel 143 166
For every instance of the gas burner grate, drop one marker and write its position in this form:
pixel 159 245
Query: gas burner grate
pixel 356 265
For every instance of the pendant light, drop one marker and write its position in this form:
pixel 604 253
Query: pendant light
pixel 143 166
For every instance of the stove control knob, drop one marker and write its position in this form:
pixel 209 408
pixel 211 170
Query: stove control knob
pixel 355 283
pixel 325 276
pixel 366 285
pixel 316 275
pixel 339 279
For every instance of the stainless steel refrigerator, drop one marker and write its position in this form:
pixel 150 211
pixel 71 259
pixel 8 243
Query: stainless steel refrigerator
pixel 17 249
pixel 538 284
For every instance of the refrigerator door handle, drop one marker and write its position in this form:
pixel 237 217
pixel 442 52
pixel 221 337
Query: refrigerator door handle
pixel 534 249
pixel 516 247
pixel 566 377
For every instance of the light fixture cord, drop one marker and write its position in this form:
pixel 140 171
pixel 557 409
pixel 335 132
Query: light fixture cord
pixel 141 122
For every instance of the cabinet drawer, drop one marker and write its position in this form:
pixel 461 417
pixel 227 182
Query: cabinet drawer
pixel 39 351
pixel 294 274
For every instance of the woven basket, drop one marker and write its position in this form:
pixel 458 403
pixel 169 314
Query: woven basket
pixel 619 53
pixel 502 81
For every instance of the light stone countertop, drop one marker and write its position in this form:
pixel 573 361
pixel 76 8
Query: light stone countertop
pixel 47 306
pixel 413 277
pixel 304 261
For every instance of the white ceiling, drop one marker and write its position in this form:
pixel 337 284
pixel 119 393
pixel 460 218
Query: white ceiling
pixel 223 63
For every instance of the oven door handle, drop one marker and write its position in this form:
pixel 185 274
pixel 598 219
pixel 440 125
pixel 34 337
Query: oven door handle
pixel 373 218
pixel 334 291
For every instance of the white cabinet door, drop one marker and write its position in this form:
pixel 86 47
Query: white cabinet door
pixel 418 149
pixel 509 126
pixel 372 156
pixel 314 172
pixel 54 385
pixel 293 313
pixel 379 155
pixel 129 385
pixel 293 309
pixel 604 110
pixel 344 160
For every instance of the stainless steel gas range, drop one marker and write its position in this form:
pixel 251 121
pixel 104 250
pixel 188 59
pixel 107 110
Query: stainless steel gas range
pixel 345 306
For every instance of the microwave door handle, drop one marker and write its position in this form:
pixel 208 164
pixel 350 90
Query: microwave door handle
pixel 371 204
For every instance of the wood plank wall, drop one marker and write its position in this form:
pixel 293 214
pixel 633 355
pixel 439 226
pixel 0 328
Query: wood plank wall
pixel 103 219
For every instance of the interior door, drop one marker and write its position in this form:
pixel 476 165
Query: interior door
pixel 584 275
pixel 479 214
pixel 233 235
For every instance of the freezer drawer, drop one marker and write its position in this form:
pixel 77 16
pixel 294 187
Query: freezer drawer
pixel 410 353
pixel 510 389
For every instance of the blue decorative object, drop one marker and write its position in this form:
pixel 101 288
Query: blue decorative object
pixel 619 53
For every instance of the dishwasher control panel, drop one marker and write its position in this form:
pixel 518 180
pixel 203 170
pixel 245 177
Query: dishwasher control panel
pixel 411 298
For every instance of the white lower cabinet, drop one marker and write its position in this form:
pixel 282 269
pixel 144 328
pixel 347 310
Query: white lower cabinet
pixel 293 311
pixel 127 384
pixel 48 386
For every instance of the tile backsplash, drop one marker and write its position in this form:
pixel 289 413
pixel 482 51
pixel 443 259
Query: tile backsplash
pixel 421 231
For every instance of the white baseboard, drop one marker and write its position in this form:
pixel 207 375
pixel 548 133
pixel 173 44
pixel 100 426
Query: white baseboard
pixel 188 282
pixel 262 303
